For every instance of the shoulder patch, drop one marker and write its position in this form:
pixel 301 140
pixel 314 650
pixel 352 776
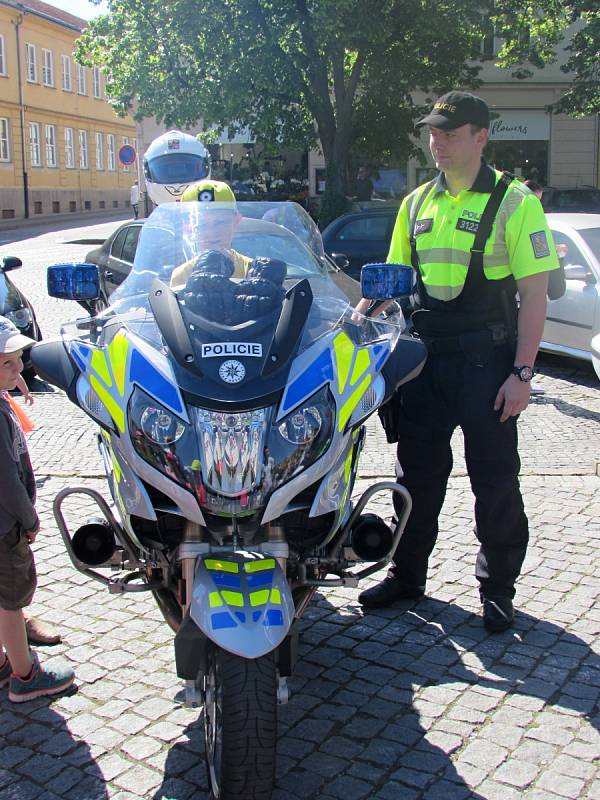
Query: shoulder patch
pixel 539 242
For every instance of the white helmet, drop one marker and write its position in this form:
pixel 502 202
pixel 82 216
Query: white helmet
pixel 171 163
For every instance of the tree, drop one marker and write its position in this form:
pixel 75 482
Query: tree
pixel 293 71
pixel 533 31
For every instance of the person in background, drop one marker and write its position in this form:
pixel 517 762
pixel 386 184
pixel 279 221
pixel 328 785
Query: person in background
pixel 134 199
pixel 364 185
pixel 535 187
pixel 19 527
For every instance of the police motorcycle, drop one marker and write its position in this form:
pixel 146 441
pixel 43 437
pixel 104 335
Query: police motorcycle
pixel 231 418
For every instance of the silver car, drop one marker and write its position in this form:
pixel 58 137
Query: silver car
pixel 573 319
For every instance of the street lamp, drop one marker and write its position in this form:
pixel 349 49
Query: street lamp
pixel 230 167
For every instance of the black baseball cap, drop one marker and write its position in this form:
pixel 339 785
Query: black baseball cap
pixel 455 109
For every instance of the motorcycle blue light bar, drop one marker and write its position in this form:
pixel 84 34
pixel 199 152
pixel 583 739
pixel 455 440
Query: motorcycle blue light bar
pixel 385 281
pixel 73 281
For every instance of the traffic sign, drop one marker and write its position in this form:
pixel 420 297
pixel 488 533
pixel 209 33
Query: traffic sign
pixel 127 154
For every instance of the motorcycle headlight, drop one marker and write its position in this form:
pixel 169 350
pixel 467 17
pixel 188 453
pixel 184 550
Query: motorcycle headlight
pixel 162 438
pixel 231 449
pixel 301 437
pixel 21 317
pixel 301 426
pixel 160 426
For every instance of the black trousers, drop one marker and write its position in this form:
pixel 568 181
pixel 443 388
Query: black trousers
pixel 453 392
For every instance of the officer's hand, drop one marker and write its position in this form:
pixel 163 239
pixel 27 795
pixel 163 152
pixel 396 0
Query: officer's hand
pixel 512 397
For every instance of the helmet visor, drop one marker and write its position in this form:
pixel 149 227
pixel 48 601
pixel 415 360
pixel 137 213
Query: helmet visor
pixel 176 168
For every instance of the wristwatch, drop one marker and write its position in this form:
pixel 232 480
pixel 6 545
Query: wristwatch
pixel 524 374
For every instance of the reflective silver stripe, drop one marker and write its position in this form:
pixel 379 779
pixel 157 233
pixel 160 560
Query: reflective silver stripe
pixel 444 292
pixel 447 255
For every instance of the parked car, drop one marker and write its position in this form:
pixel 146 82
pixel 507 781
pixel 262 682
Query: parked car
pixel 114 258
pixel 15 306
pixel 596 354
pixel 363 237
pixel 573 319
pixel 580 201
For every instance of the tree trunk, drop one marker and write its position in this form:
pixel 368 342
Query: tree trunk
pixel 335 201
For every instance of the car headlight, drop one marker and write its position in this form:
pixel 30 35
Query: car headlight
pixel 21 317
pixel 162 438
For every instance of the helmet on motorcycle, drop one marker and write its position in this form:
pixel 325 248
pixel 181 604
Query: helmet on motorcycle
pixel 208 191
pixel 171 163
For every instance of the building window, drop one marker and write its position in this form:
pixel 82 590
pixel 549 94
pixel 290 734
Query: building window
pixel 31 63
pixel 2 56
pixel 81 80
pixel 4 141
pixel 110 149
pixel 69 149
pixel 490 44
pixel 97 83
pixel 83 150
pixel 99 152
pixel 50 136
pixel 34 144
pixel 47 67
pixel 67 83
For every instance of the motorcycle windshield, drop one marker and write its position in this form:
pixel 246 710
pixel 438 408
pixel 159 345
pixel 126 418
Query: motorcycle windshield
pixel 250 296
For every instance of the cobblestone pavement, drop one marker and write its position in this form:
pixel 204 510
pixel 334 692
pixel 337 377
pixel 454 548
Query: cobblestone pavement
pixel 416 701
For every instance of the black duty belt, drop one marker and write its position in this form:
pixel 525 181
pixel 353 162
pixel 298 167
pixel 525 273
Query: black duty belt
pixel 474 344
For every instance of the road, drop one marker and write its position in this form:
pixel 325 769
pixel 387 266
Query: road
pixel 416 701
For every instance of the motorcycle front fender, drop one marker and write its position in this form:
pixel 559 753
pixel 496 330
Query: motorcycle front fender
pixel 242 602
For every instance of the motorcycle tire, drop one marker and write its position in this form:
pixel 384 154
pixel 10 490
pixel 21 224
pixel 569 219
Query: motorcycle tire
pixel 240 725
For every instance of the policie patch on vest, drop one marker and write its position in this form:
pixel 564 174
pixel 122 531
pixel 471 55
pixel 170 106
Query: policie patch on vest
pixel 468 225
pixel 539 243
pixel 423 226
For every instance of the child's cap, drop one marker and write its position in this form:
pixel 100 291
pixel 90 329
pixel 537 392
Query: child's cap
pixel 11 339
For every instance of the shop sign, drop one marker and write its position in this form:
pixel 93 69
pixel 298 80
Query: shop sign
pixel 520 125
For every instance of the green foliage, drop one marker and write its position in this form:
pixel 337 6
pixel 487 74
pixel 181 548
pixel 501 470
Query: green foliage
pixel 532 32
pixel 295 72
pixel 208 137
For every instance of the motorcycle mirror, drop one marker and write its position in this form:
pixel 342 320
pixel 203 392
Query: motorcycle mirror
pixel 385 281
pixel 74 281
pixel 11 262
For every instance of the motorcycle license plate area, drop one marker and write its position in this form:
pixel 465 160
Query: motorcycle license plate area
pixel 242 602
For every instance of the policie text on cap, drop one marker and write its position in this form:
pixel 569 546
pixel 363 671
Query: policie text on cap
pixel 455 109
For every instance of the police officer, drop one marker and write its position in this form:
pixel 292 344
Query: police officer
pixel 481 351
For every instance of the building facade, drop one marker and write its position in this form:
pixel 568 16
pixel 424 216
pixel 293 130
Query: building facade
pixel 525 138
pixel 59 137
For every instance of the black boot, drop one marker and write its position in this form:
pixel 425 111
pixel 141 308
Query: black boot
pixel 387 592
pixel 498 613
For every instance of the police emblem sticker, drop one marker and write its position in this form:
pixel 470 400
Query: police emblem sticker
pixel 539 243
pixel 423 226
pixel 232 371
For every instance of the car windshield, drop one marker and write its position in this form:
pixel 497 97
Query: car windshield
pixel 591 236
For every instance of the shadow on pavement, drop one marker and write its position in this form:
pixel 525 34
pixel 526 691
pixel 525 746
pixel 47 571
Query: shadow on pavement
pixel 569 409
pixel 41 227
pixel 40 756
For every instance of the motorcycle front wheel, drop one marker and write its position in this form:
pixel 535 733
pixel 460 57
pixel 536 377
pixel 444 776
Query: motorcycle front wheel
pixel 240 725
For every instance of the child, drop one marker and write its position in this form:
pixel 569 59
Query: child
pixel 19 526
pixel 26 423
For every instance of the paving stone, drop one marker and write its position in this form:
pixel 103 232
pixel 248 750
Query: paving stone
pixel 561 784
pixel 516 773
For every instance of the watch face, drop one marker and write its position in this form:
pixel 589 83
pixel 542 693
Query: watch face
pixel 524 373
